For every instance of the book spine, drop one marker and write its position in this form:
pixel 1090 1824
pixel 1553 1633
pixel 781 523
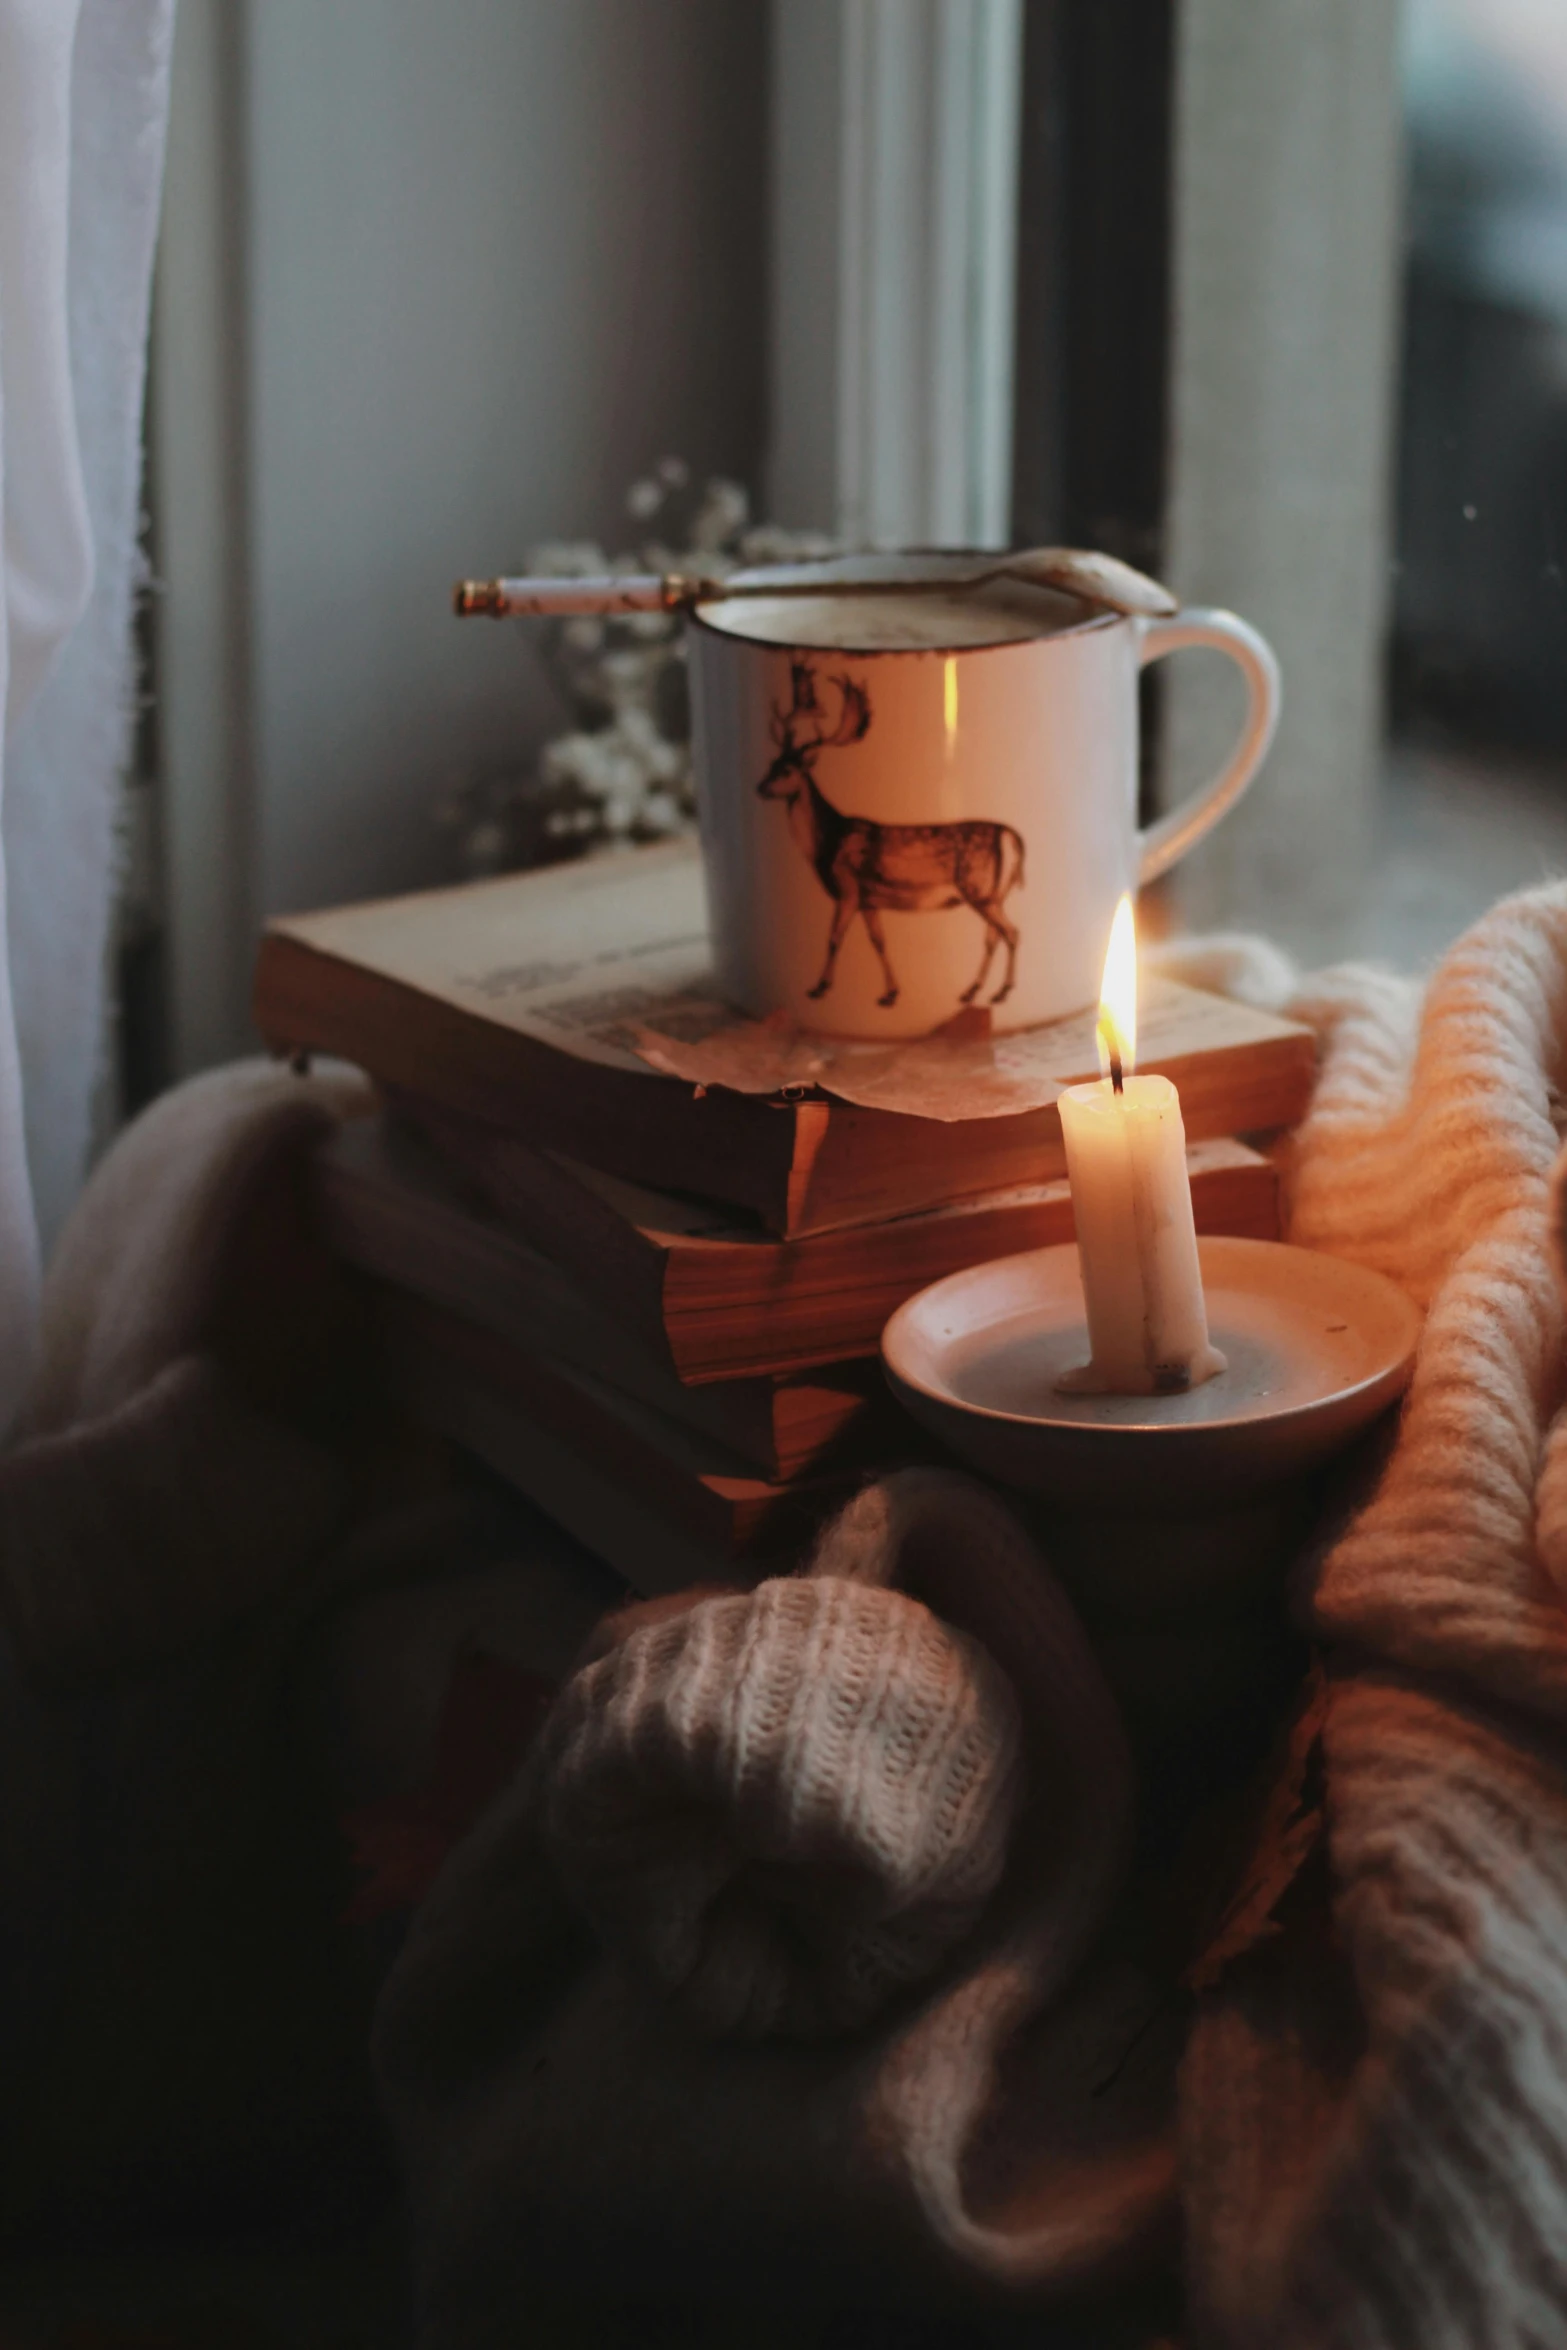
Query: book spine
pixel 652 1555
pixel 734 1312
pixel 859 1166
pixel 452 1259
pixel 644 1127
pixel 611 1260
pixel 867 1165
pixel 732 1516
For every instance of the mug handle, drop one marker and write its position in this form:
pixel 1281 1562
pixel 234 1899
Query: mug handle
pixel 1165 843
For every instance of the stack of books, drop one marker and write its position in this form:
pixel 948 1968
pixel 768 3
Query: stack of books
pixel 637 1254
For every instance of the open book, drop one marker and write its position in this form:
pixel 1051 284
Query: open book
pixel 574 1007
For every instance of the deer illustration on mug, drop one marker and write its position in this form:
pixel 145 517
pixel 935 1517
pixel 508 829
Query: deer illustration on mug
pixel 868 868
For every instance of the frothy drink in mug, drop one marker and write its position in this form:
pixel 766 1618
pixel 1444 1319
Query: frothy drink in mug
pixel 913 803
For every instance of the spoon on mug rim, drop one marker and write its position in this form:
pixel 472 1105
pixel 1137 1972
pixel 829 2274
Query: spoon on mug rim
pixel 1074 571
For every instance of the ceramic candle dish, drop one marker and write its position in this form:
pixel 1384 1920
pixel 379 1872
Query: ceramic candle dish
pixel 1316 1350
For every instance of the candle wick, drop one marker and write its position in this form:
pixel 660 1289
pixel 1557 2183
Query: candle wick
pixel 1117 1079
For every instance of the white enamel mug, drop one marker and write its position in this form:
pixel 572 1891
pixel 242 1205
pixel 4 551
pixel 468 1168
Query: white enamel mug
pixel 913 804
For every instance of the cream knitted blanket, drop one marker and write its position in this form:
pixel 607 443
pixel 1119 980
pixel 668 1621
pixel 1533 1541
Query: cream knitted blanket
pixel 783 1806
pixel 1373 2099
pixel 780 1810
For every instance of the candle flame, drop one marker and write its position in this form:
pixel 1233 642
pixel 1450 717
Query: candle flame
pixel 1118 997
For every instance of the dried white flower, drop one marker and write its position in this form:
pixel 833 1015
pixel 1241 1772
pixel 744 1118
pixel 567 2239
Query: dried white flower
pixel 583 634
pixel 567 559
pixel 765 542
pixel 653 627
pixel 623 770
pixel 722 515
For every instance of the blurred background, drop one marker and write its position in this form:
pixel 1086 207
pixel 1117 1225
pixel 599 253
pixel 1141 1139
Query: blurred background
pixel 1272 300
pixel 1477 669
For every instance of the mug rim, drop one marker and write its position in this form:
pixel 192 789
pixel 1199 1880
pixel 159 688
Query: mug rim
pixel 1092 619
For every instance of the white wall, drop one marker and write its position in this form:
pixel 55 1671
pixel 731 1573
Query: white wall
pixel 493 257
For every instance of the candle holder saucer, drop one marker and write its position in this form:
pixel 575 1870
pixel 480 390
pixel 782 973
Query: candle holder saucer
pixel 1316 1349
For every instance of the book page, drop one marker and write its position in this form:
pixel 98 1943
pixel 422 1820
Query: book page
pixel 962 1072
pixel 579 955
pixel 607 960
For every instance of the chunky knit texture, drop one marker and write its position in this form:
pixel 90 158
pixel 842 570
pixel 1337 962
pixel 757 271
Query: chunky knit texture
pixel 784 1805
pixel 184 2016
pixel 162 1484
pixel 963 1551
pixel 119 1538
pixel 1375 2143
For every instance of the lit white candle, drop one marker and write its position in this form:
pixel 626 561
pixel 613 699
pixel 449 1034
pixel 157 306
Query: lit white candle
pixel 1132 1204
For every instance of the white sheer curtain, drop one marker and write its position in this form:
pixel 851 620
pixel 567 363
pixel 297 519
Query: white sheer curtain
pixel 83 108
